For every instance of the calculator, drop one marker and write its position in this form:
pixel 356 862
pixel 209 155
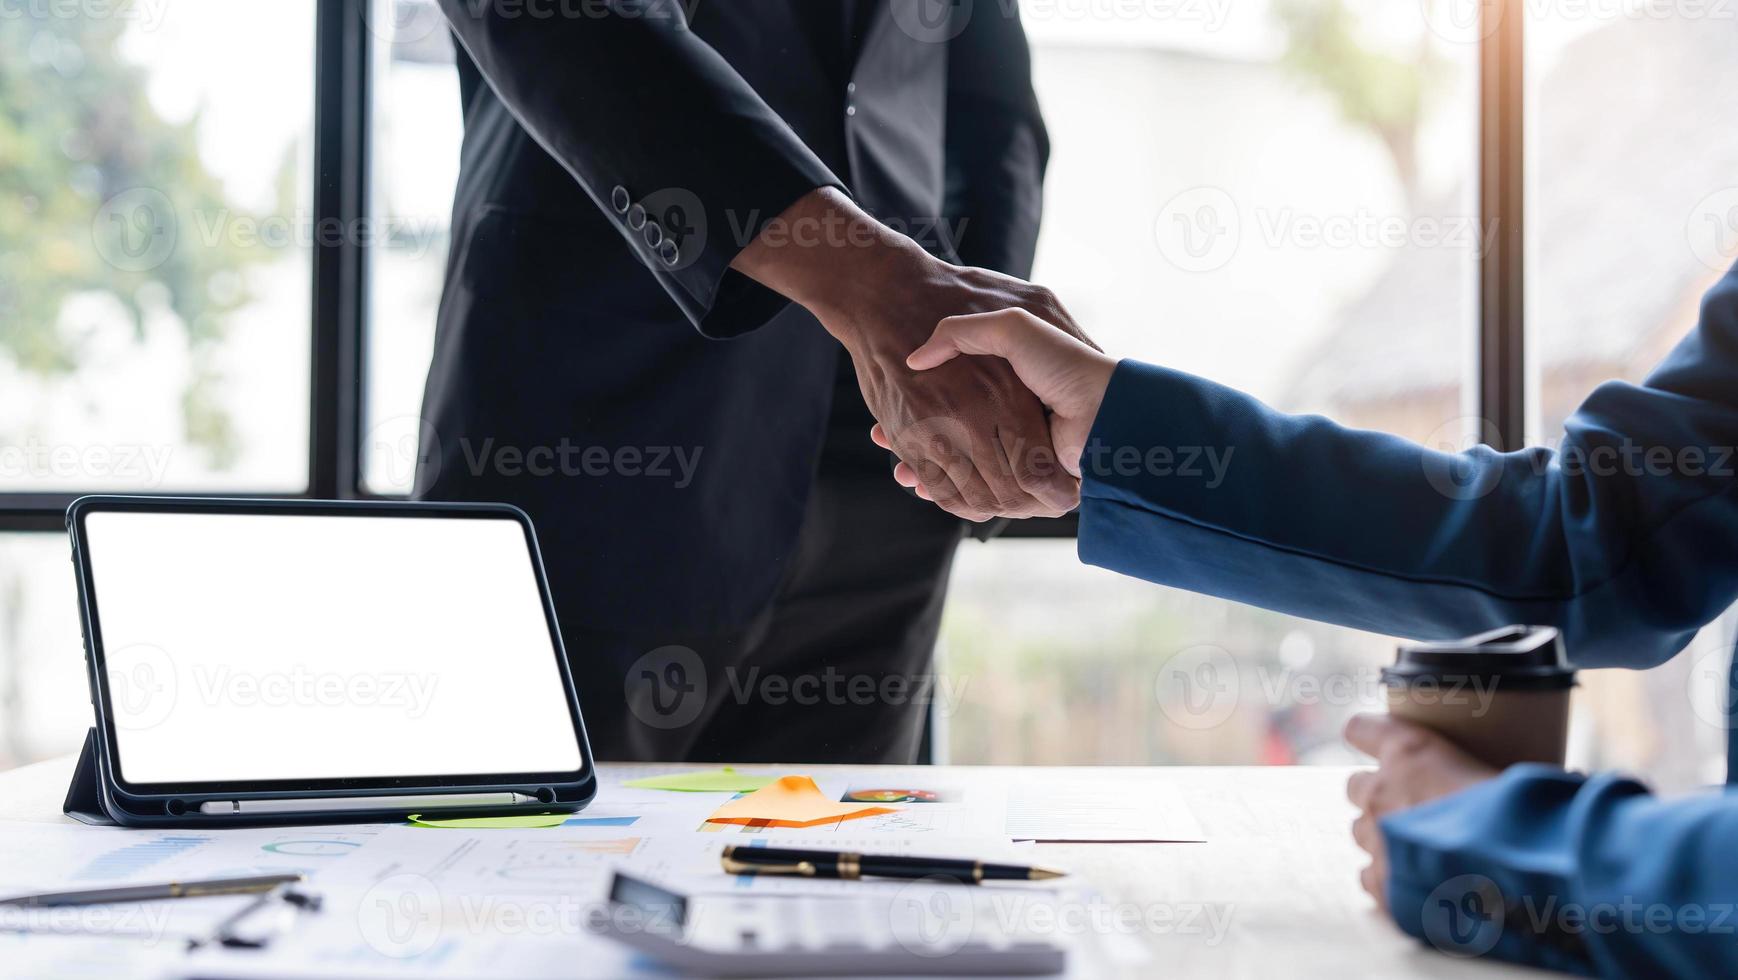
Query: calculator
pixel 923 929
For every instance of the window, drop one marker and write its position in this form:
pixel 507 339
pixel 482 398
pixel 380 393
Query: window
pixel 1280 197
pixel 1289 196
pixel 155 243
pixel 417 128
pixel 42 675
pixel 156 230
pixel 1632 213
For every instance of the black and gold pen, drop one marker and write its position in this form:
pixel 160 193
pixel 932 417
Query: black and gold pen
pixel 845 864
pixel 249 885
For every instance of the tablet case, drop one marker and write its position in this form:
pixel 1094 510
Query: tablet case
pixel 84 798
pixel 87 802
pixel 89 799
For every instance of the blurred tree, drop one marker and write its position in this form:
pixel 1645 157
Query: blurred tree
pixel 98 194
pixel 1372 86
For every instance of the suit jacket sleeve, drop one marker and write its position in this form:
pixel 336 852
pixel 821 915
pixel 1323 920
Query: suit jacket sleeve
pixel 1567 872
pixel 997 146
pixel 628 97
pixel 1622 538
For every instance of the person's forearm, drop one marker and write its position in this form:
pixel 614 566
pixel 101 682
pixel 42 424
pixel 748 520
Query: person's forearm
pixel 832 258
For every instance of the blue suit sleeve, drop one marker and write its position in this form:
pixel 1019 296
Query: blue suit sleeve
pixel 1622 537
pixel 1611 538
pixel 1589 875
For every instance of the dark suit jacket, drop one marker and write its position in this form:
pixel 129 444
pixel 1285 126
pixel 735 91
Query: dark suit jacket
pixel 617 157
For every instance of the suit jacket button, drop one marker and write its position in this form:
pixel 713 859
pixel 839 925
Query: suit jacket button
pixel 619 199
pixel 636 217
pixel 654 235
pixel 850 110
pixel 669 253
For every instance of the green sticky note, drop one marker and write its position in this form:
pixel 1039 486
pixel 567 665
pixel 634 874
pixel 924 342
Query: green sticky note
pixel 530 821
pixel 726 780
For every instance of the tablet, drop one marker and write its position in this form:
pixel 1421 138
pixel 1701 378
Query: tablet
pixel 248 651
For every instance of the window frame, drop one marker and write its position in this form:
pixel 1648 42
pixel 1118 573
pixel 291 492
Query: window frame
pixel 342 117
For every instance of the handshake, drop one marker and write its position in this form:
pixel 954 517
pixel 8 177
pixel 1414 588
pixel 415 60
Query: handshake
pixel 982 437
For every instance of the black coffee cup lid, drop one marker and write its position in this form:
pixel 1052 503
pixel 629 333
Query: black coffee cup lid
pixel 1519 657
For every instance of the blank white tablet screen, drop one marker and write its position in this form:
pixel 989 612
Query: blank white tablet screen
pixel 305 647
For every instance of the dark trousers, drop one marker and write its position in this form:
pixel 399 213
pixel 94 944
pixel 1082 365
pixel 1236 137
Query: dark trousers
pixel 838 668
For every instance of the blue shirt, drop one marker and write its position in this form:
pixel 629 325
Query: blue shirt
pixel 1625 537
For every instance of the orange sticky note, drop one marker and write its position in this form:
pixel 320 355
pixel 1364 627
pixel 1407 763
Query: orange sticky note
pixel 793 801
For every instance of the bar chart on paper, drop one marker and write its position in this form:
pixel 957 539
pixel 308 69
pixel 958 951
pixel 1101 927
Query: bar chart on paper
pixel 45 855
pixel 132 859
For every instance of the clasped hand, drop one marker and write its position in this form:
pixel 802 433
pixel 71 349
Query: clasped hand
pixel 1053 361
pixel 971 434
pixel 974 434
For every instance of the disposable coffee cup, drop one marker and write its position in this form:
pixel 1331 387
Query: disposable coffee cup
pixel 1503 696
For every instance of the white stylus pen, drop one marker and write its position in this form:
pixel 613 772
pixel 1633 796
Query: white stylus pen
pixel 303 805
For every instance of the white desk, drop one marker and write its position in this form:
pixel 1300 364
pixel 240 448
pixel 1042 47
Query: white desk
pixel 1280 864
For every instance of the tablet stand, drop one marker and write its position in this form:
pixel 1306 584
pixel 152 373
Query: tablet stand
pixel 84 798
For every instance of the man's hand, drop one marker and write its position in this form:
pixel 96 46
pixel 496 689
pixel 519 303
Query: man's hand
pixel 1413 765
pixel 1067 375
pixel 976 437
